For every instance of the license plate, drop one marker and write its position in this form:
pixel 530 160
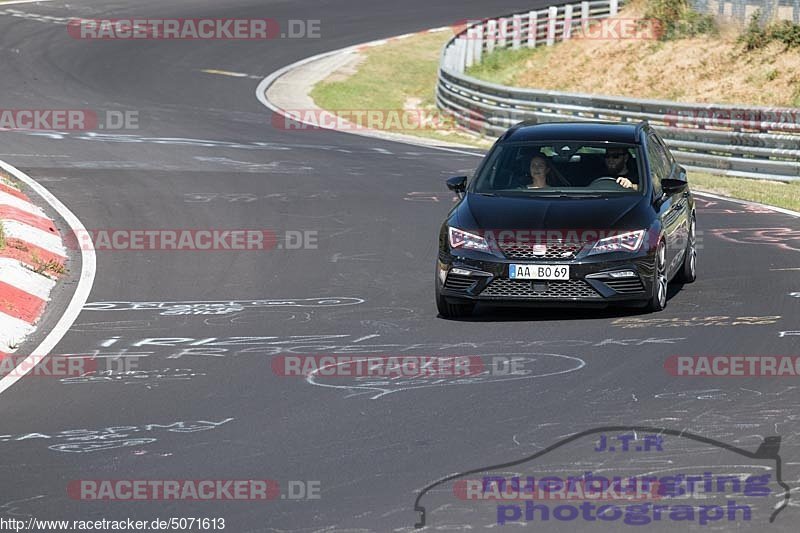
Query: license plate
pixel 552 272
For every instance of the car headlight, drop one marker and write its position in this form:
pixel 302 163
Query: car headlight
pixel 466 240
pixel 624 242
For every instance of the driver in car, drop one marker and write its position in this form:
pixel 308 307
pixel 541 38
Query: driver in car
pixel 616 160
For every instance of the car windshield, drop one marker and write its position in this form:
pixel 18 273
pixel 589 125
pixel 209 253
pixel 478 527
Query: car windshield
pixel 561 169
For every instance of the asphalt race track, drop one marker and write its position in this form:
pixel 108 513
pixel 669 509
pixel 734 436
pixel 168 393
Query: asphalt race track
pixel 206 156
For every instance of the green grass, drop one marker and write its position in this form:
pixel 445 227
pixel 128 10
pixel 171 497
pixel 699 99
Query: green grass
pixel 757 36
pixel 503 65
pixel 390 76
pixel 786 195
pixel 391 73
pixel 5 181
pixel 47 267
pixel 678 19
pixel 2 237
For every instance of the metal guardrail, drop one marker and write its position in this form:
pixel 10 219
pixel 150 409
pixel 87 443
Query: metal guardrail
pixel 742 10
pixel 740 141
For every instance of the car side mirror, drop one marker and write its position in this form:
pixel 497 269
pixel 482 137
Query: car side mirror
pixel 457 184
pixel 673 185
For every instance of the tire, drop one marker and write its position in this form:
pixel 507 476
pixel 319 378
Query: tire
pixel 448 310
pixel 658 297
pixel 688 271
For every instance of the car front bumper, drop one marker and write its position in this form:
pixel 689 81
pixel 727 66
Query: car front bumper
pixel 476 277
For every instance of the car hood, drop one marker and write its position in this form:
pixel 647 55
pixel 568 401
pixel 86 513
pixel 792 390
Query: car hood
pixel 484 212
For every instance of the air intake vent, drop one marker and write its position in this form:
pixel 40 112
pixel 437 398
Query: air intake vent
pixel 567 289
pixel 626 286
pixel 455 282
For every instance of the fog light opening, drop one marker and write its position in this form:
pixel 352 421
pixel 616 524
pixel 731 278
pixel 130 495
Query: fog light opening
pixel 623 274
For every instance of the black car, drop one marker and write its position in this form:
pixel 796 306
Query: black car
pixel 588 213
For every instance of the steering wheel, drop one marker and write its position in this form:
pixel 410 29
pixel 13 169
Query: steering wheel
pixel 604 178
pixel 598 183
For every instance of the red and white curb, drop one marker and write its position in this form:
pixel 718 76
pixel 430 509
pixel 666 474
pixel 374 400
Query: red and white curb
pixel 26 291
pixel 31 241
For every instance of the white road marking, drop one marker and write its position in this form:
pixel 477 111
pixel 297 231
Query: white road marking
pixel 34 155
pixel 82 291
pixel 747 202
pixel 12 2
pixel 366 337
pixel 229 73
pixel 224 73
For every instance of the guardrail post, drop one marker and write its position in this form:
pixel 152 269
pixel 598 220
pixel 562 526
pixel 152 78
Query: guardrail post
pixel 462 54
pixel 552 13
pixel 533 29
pixel 478 44
pixel 449 56
pixel 584 17
pixel 796 11
pixel 516 27
pixel 613 7
pixel 502 33
pixel 452 57
pixel 469 48
pixel 447 60
pixel 567 32
pixel 491 35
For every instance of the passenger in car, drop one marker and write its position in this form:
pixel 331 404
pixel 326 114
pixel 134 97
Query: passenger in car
pixel 539 170
pixel 616 160
pixel 542 173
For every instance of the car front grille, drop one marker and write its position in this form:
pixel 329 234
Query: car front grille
pixel 510 288
pixel 455 282
pixel 553 250
pixel 626 286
